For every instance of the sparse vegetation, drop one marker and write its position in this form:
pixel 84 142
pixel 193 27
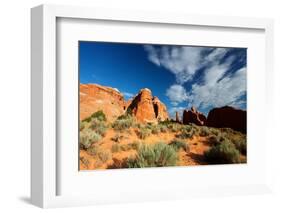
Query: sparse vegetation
pixel 204 131
pixel 177 145
pixel 223 153
pixel 123 122
pixel 157 155
pixel 241 145
pixel 99 126
pixel 155 129
pixel 186 133
pixel 104 155
pixel 88 137
pixel 98 115
pixel 143 132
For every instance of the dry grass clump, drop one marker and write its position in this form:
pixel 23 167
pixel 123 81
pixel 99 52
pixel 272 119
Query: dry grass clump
pixel 88 137
pixel 223 153
pixel 123 123
pixel 143 132
pixel 156 155
pixel 177 145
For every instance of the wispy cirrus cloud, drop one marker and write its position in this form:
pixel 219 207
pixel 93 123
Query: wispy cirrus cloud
pixel 182 61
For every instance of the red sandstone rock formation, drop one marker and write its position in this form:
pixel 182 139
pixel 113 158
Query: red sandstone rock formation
pixel 143 106
pixel 193 116
pixel 228 117
pixel 94 97
pixel 146 108
pixel 160 109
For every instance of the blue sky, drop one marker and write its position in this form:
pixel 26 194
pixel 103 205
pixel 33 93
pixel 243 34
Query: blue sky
pixel 180 76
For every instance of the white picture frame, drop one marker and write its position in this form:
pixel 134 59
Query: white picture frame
pixel 44 150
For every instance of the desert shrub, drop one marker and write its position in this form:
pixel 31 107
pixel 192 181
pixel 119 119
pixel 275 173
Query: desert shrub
pixel 99 126
pixel 143 132
pixel 136 145
pixel 204 131
pixel 126 147
pixel 166 122
pixel 157 155
pixel 174 127
pixel 155 129
pixel 99 115
pixel 82 125
pixel 223 153
pixel 88 137
pixel 104 155
pixel 215 132
pixel 163 128
pixel 185 134
pixel 123 123
pixel 93 150
pixel 115 148
pixel 177 145
pixel 85 161
pixel 241 145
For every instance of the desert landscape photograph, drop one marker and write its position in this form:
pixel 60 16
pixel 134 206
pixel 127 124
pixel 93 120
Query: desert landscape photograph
pixel 151 105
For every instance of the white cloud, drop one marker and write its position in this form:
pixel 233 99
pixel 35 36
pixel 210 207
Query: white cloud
pixel 219 92
pixel 180 60
pixel 216 88
pixel 177 94
pixel 184 61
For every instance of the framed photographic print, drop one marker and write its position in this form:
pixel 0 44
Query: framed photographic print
pixel 147 105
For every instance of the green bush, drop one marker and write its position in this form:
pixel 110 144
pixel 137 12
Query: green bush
pixel 136 145
pixel 104 155
pixel 163 128
pixel 123 123
pixel 143 132
pixel 241 145
pixel 174 127
pixel 157 155
pixel 98 115
pixel 223 153
pixel 177 145
pixel 82 125
pixel 99 126
pixel 88 137
pixel 155 129
pixel 185 133
pixel 204 131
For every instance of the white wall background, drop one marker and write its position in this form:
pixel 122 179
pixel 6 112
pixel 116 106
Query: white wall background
pixel 15 103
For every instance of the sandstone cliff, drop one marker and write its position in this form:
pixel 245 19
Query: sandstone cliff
pixel 94 97
pixel 147 108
